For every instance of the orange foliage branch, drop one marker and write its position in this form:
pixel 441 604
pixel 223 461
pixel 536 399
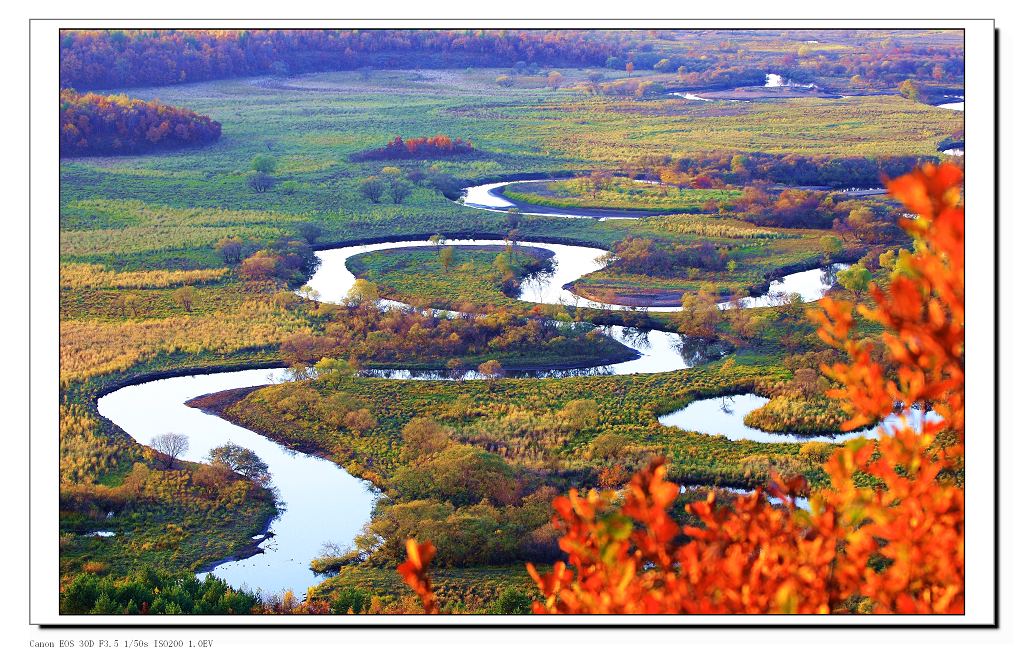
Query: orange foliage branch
pixel 414 572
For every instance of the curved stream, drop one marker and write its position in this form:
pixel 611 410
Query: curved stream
pixel 488 197
pixel 323 503
pixel 724 416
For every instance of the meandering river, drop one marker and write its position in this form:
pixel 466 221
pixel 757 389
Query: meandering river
pixel 323 503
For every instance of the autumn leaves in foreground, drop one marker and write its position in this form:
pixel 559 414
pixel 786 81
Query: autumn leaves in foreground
pixel 885 536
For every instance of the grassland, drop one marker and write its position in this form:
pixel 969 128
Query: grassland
pixel 171 207
pixel 524 415
pixel 472 277
pixel 618 193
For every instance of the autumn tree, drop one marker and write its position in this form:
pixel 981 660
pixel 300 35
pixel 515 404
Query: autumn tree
pixel 855 278
pixel 447 257
pixel 491 371
pixel 423 436
pixel 241 461
pixel 260 266
pixel 830 246
pixel 359 421
pixel 699 314
pixel 910 90
pixel 184 297
pixel 363 292
pixel 230 250
pixel 94 124
pixel 580 414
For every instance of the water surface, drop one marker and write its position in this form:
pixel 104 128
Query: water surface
pixel 323 503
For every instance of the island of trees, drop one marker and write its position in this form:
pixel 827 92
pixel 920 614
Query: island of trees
pixel 95 124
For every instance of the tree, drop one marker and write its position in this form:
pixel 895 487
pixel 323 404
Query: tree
pixel 580 414
pixel 830 245
pixel 909 89
pixel 423 436
pixel 447 257
pixel 184 297
pixel 492 371
pixel 260 266
pixel 855 279
pixel 399 189
pixel 171 445
pixel 261 182
pixel 310 231
pixel 513 601
pixel 311 293
pixel 264 164
pixel 502 266
pixel 862 224
pixel 699 314
pixel 230 250
pixel 94 124
pixel 363 292
pixel 607 445
pixel 372 188
pixel 555 80
pixel 886 535
pixel 359 421
pixel 129 302
pixel 241 461
pixel 514 218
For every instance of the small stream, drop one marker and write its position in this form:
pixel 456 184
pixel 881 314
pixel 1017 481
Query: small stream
pixel 724 416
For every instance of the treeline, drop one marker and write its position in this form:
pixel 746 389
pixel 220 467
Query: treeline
pixel 636 255
pixel 717 169
pixel 438 146
pixel 360 332
pixel 285 259
pixel 870 63
pixel 94 124
pixel 150 591
pixel 868 221
pixel 126 58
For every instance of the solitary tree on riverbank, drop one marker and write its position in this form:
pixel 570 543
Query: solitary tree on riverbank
pixel 171 445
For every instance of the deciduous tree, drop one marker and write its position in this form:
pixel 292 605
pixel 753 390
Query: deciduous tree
pixel 171 445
